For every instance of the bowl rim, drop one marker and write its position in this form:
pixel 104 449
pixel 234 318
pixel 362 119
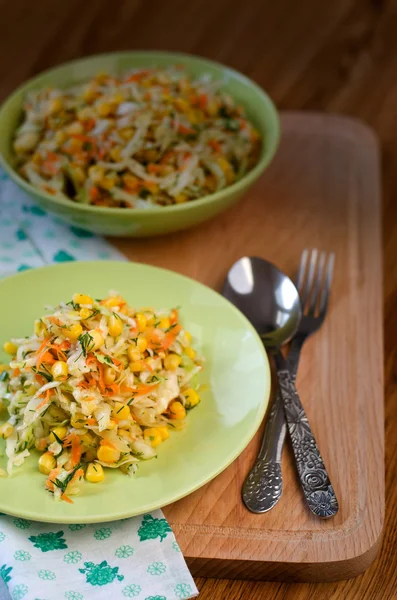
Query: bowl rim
pixel 236 187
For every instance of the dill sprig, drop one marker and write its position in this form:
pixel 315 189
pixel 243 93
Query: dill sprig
pixel 87 342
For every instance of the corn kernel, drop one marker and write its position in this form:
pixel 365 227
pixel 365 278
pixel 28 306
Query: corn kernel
pixel 60 370
pixel 60 137
pixel 117 98
pixel 78 420
pixel 108 182
pixel 188 336
pixel 75 145
pixel 109 375
pixel 6 430
pixel 56 412
pixel 104 109
pixel 190 352
pixel 121 411
pixel 164 432
pixel 85 114
pixel 177 411
pixel 115 326
pixel 85 313
pixel 115 153
pixel 88 439
pixel 113 301
pixel 96 173
pixel 30 389
pixel 141 321
pixel 47 463
pixel 82 299
pixel 39 327
pixel 141 344
pixel 192 398
pixel 75 128
pixel 60 432
pixel 172 362
pixel 89 93
pixel 54 106
pixel 97 340
pixel 131 181
pixel 133 353
pixel 153 436
pixel 73 332
pixel 181 104
pixel 137 365
pixel 79 174
pixel 37 158
pixel 108 454
pixel 112 424
pixel 165 323
pixel 180 198
pixel 94 473
pixel 10 348
pixel 126 133
pixel 212 108
pixel 3 368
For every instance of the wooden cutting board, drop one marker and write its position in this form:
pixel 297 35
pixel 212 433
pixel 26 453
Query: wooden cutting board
pixel 321 191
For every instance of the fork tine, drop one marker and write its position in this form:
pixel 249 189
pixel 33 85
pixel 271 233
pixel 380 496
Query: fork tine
pixel 318 280
pixel 302 269
pixel 309 281
pixel 327 284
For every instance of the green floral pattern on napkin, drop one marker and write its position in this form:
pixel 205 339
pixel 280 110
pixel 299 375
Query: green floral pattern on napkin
pixel 132 558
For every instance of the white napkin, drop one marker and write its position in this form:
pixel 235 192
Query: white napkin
pixel 133 558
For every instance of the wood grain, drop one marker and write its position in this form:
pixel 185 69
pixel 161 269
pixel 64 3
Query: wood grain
pixel 336 56
pixel 325 180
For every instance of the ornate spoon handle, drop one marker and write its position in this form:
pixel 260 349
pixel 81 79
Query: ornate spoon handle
pixel 316 485
pixel 263 486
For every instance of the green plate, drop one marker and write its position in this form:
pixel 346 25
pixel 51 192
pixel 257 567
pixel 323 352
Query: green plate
pixel 131 222
pixel 218 429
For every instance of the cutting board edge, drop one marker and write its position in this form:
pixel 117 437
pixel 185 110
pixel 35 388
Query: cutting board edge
pixel 296 572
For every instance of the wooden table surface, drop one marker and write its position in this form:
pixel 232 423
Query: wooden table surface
pixel 338 56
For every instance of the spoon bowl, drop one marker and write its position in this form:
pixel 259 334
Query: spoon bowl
pixel 267 297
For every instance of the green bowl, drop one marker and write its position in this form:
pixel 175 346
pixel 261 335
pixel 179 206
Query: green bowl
pixel 129 222
pixel 236 375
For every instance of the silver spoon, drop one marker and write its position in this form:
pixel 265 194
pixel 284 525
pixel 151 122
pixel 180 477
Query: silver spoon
pixel 269 299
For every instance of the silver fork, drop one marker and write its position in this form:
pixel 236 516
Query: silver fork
pixel 263 486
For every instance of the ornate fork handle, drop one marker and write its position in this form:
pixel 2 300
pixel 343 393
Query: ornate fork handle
pixel 314 479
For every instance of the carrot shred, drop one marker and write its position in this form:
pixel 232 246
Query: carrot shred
pixel 114 389
pixel 94 193
pixel 144 388
pixel 49 484
pixel 101 378
pixel 215 145
pixel 106 442
pixel 46 399
pixel 171 337
pixel 16 372
pixel 56 321
pixel 76 450
pixel 40 379
pixel 47 358
pixel 174 316
pixel 66 499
